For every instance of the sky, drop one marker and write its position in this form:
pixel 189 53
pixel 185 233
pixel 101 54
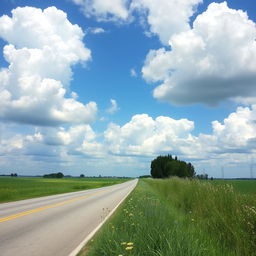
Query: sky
pixel 103 87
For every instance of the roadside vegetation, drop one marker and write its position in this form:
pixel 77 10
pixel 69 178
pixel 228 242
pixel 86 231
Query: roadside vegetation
pixel 13 189
pixel 179 217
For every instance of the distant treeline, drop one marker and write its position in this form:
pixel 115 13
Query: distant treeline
pixel 145 176
pixel 57 175
pixel 12 175
pixel 167 166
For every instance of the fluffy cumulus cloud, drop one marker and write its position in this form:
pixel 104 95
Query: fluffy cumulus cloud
pixel 166 18
pixel 76 140
pixel 58 142
pixel 144 136
pixel 232 140
pixel 42 47
pixel 107 10
pixel 237 133
pixel 213 61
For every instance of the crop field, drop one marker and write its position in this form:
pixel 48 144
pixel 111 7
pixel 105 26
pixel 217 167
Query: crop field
pixel 12 189
pixel 180 217
pixel 242 186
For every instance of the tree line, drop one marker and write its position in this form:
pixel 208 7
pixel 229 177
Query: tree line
pixel 57 175
pixel 167 166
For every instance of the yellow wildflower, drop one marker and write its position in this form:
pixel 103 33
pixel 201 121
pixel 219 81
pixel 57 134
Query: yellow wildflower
pixel 129 248
pixel 129 244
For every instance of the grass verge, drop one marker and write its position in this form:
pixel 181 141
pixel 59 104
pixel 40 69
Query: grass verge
pixel 179 217
pixel 13 189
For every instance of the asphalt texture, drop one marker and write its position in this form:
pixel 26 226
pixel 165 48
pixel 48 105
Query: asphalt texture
pixel 56 225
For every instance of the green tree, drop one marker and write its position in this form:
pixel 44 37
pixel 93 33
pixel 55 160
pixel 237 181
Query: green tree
pixel 57 175
pixel 166 166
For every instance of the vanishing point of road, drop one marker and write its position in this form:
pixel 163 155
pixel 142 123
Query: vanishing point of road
pixel 56 225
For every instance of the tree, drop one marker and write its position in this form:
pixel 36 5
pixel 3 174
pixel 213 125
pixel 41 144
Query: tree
pixel 171 168
pixel 158 166
pixel 202 176
pixel 57 175
pixel 166 166
pixel 81 175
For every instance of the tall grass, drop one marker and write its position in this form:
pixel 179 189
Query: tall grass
pixel 179 217
pixel 224 214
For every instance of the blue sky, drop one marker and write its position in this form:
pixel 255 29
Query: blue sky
pixel 103 87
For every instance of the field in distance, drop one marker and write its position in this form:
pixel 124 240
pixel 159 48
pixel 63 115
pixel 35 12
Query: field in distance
pixel 16 188
pixel 242 186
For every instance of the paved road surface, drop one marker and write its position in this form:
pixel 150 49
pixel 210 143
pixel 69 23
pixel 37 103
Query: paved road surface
pixel 55 225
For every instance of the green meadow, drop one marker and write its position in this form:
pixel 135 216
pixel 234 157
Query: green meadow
pixel 16 188
pixel 179 217
pixel 242 186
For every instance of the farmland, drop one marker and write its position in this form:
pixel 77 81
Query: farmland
pixel 12 189
pixel 242 186
pixel 181 217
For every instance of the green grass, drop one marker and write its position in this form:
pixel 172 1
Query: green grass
pixel 12 189
pixel 242 186
pixel 178 217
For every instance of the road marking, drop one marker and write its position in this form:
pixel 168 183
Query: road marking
pixel 14 216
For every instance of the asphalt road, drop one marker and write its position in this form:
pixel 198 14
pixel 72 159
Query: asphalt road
pixel 56 225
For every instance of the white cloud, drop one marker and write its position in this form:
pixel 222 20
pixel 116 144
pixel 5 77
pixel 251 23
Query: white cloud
pixel 145 136
pixel 114 107
pixel 245 100
pixel 237 130
pixel 214 61
pixel 43 46
pixel 232 141
pixel 156 66
pixel 107 10
pixel 97 30
pixel 54 141
pixel 133 72
pixel 61 136
pixel 166 18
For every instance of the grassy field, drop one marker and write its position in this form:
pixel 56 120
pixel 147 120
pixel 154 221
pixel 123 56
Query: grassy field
pixel 179 217
pixel 12 189
pixel 242 186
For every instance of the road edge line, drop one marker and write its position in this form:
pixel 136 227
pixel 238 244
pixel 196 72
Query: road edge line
pixel 90 235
